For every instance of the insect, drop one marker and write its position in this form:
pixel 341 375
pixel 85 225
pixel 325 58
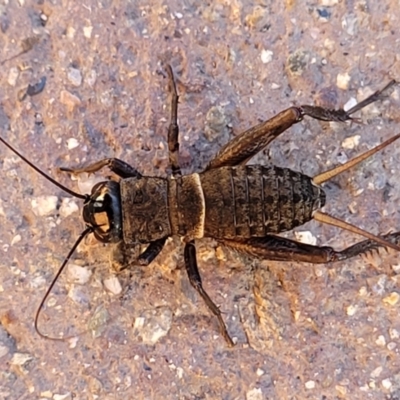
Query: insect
pixel 241 206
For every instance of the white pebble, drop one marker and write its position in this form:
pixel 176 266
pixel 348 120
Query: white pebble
pixel 380 341
pixel 310 385
pixel 68 207
pixel 78 274
pixel 72 143
pixel 387 384
pixel 266 56
pixel 74 76
pixel 13 76
pixel 306 237
pixel 44 205
pixel 87 31
pixel 351 142
pixel 342 81
pixel 113 285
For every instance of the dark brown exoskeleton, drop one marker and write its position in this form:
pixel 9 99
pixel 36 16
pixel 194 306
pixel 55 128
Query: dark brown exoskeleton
pixel 241 206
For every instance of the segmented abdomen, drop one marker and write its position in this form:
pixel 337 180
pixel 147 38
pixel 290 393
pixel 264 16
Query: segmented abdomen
pixel 253 200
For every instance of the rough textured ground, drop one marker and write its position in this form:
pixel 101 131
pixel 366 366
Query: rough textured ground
pixel 302 331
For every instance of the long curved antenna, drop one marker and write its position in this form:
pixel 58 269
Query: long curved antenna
pixel 63 265
pixel 49 178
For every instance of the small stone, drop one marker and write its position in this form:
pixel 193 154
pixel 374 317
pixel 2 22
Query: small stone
pixel 351 310
pixel 376 372
pixel 391 346
pixel 68 207
pixel 351 142
pixel 392 299
pixel 91 77
pixel 13 76
pixel 266 56
pixel 260 372
pixel 306 237
pixel 74 76
pixel 254 394
pixel 310 385
pixel 87 31
pixel 153 325
pixel 44 205
pixel 69 99
pixel 381 341
pixel 394 333
pixel 72 143
pixel 78 274
pixel 342 81
pixel 21 359
pixel 113 285
pixel 341 389
pixel 15 239
pixel 386 384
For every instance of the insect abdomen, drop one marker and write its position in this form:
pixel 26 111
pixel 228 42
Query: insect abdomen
pixel 252 201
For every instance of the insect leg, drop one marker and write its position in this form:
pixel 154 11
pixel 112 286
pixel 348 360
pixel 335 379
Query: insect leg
pixel 173 129
pixel 282 249
pixel 151 252
pixel 119 167
pixel 249 143
pixel 195 281
pixel 325 114
pixel 125 255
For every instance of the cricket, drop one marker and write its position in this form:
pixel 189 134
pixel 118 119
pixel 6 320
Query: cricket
pixel 243 207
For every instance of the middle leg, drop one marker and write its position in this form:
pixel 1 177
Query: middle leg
pixel 195 281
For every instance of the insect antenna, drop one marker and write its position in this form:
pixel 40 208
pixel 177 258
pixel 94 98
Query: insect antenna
pixel 49 178
pixel 88 230
pixel 60 270
pixel 324 176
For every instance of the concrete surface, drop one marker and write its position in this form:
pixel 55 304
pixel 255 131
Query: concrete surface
pixel 302 331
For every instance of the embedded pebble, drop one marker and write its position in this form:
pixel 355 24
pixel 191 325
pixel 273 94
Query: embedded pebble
pixel 78 274
pixel 68 207
pixel 306 237
pixel 74 76
pixel 153 325
pixel 387 384
pixel 87 31
pixel 351 310
pixel 392 299
pixel 72 143
pixel 113 285
pixel 342 81
pixel 310 385
pixel 394 333
pixel 376 372
pixel 44 205
pixel 91 77
pixel 266 56
pixel 254 394
pixel 351 142
pixel 21 359
pixel 13 76
pixel 69 99
pixel 15 239
pixel 380 341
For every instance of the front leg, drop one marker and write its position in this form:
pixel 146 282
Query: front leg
pixel 195 281
pixel 124 256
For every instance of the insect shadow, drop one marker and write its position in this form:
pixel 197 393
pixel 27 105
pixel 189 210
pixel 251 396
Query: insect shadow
pixel 240 206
